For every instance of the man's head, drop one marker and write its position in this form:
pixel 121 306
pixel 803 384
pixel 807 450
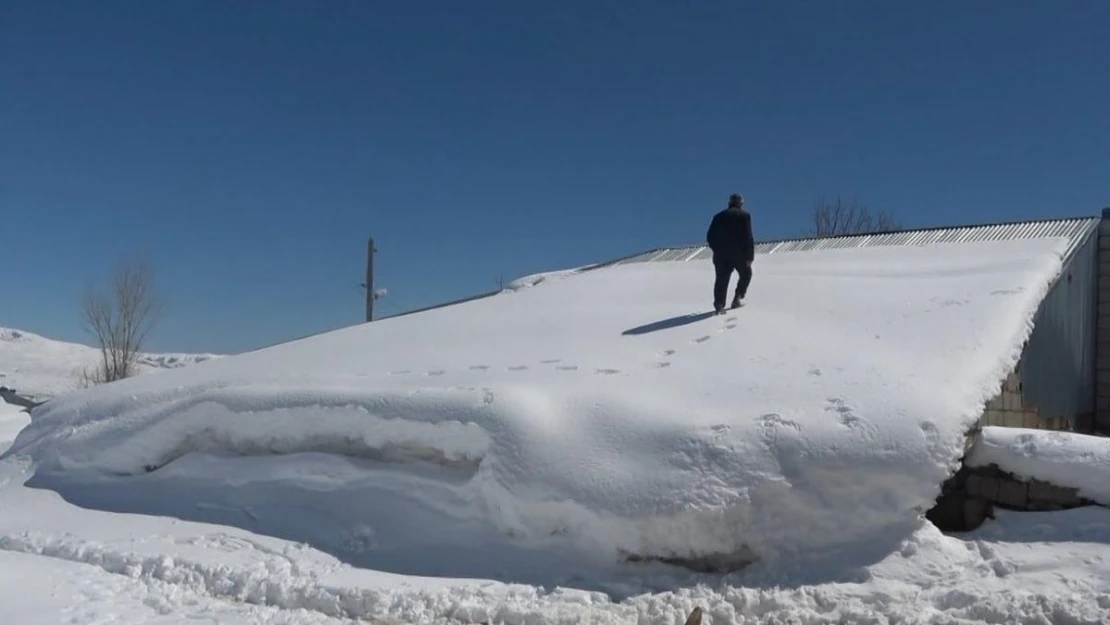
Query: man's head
pixel 736 201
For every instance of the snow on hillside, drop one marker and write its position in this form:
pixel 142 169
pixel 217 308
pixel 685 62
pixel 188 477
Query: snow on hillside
pixel 1061 458
pixel 583 419
pixel 43 367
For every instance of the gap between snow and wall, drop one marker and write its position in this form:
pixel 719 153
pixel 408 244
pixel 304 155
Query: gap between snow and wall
pixel 970 497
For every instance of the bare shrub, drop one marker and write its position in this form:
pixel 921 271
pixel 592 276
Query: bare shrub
pixel 841 217
pixel 120 320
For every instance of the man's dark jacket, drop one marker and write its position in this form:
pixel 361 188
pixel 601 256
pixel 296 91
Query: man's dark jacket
pixel 730 236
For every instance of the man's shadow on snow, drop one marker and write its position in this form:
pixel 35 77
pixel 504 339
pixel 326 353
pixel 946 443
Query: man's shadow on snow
pixel 667 324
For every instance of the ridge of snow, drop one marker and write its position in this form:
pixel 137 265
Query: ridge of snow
pixel 593 415
pixel 1065 459
pixel 535 279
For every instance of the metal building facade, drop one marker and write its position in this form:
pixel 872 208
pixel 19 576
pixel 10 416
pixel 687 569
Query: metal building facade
pixel 1057 368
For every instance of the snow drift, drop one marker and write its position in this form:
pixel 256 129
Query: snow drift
pixel 591 416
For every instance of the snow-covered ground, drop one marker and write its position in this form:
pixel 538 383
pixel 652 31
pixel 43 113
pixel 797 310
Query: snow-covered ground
pixel 42 367
pixel 495 461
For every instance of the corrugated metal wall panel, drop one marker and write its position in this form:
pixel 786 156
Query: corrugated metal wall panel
pixel 1073 229
pixel 673 254
pixel 1058 365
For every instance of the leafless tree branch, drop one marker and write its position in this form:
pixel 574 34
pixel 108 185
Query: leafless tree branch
pixel 120 320
pixel 841 217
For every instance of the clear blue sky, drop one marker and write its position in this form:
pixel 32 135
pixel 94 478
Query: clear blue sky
pixel 248 148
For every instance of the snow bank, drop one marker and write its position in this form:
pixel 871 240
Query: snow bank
pixel 1060 458
pixel 1052 569
pixel 593 416
pixel 44 368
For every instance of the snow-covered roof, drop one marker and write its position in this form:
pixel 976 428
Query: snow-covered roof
pixel 1074 230
pixel 583 416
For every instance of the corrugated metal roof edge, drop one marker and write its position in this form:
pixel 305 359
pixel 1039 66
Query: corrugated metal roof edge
pixel 995 224
pixel 1093 221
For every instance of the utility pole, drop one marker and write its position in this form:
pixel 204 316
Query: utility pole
pixel 370 294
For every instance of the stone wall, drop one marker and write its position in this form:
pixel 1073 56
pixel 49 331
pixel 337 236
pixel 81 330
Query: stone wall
pixel 970 497
pixel 1009 409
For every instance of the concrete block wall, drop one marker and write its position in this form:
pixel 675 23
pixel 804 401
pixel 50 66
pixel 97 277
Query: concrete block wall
pixel 1009 409
pixel 970 497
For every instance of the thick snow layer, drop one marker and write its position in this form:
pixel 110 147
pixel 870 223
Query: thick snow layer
pixel 1060 458
pixel 42 367
pixel 60 563
pixel 588 416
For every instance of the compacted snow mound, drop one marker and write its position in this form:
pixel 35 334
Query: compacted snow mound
pixel 603 412
pixel 1060 458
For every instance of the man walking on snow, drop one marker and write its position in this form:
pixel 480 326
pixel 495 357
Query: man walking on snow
pixel 730 238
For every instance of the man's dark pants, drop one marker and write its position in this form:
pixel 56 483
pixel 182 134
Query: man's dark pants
pixel 725 267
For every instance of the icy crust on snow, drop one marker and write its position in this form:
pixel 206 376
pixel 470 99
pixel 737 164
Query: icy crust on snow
pixel 1063 459
pixel 604 411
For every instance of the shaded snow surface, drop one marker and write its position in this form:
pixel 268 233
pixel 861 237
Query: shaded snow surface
pixel 1061 458
pixel 12 420
pixel 548 430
